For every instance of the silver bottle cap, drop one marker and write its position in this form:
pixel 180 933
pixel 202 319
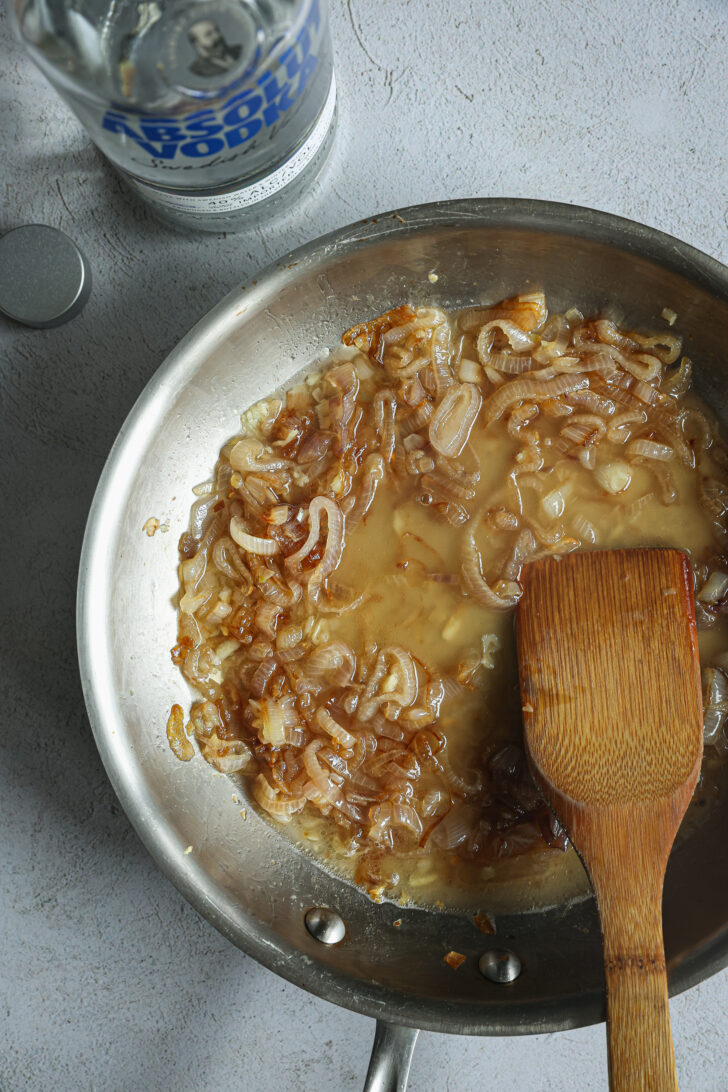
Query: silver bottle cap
pixel 44 278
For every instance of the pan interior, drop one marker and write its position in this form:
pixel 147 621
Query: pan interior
pixel 242 874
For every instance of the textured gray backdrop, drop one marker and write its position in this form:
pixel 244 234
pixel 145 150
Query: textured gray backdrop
pixel 110 981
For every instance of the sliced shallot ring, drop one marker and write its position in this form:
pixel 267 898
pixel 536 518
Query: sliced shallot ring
pixel 476 586
pixel 267 547
pixel 334 543
pixel 649 449
pixel 519 340
pixel 282 807
pixel 531 390
pixel 332 728
pixel 454 418
pixel 385 409
pixel 372 475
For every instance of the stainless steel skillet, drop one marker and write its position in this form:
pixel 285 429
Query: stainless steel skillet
pixel 245 876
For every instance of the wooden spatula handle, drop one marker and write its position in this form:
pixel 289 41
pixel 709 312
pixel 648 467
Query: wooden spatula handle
pixel 639 1038
pixel 627 876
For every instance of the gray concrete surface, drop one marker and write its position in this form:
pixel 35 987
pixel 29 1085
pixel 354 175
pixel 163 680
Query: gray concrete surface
pixel 110 981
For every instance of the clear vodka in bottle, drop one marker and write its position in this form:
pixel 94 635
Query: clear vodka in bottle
pixel 210 109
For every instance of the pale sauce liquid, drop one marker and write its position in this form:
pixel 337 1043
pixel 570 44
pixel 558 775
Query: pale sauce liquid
pixel 400 539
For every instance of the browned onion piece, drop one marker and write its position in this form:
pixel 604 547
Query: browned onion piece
pixel 454 418
pixel 642 366
pixel 457 825
pixel 332 728
pixel 444 489
pixel 465 470
pixel 667 489
pixel 403 666
pixel 266 617
pixel 385 409
pixel 335 663
pixel 591 401
pixel 272 586
pixel 323 783
pixel 178 741
pixel 396 685
pixel 342 408
pixel 598 360
pixel 318 775
pixel 262 676
pixel 528 311
pixel 619 431
pixel 714 591
pixel 678 382
pixel 413 392
pixel 519 340
pixel 289 637
pixel 367 336
pixel 509 364
pixel 282 807
pixel 227 756
pixel 271 716
pixel 524 549
pixel 649 449
pixel 584 429
pixel 334 543
pixel 441 370
pixel 521 416
pixel 665 346
pixel 468 784
pixel 252 544
pixel 200 514
pixel 532 390
pixel 474 583
pixel 314 447
pixel 226 558
pixel 697 429
pixel 555 338
pixel 248 455
pixel 373 474
pixel 715 703
pixel 394 815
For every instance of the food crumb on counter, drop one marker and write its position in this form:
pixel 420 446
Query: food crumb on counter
pixel 164 527
pixel 484 922
pixel 397 923
pixel 669 315
pixel 243 813
pixel 454 960
pixel 433 278
pixel 188 850
pixel 151 527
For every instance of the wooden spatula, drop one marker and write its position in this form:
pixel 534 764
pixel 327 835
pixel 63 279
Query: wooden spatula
pixel 613 724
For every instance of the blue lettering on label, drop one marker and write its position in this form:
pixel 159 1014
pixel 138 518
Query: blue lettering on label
pixel 243 133
pixel 207 132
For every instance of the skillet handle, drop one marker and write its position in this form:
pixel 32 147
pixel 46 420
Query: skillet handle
pixel 389 1065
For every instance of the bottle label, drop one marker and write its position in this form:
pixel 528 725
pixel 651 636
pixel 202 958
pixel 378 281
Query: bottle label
pixel 206 137
pixel 258 191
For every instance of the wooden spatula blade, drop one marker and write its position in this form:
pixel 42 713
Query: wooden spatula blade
pixel 610 675
pixel 613 726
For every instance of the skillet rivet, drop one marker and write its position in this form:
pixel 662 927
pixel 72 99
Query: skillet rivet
pixel 500 966
pixel 325 925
